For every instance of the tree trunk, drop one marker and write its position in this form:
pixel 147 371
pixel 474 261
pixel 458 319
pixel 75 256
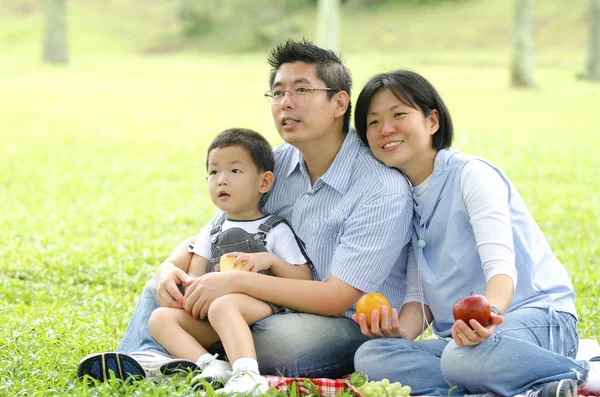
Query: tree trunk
pixel 593 69
pixel 328 23
pixel 55 32
pixel 523 60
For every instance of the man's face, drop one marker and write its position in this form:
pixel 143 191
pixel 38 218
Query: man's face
pixel 302 119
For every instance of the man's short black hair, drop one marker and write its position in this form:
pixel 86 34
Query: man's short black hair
pixel 329 65
pixel 255 144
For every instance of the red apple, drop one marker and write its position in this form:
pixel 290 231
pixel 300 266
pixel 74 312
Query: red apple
pixel 474 307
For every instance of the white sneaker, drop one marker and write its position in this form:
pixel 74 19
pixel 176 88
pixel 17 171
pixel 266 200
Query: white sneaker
pixel 156 364
pixel 592 384
pixel 245 382
pixel 215 372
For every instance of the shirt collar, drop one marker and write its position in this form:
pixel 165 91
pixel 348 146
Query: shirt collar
pixel 339 173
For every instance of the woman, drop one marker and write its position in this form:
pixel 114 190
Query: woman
pixel 472 234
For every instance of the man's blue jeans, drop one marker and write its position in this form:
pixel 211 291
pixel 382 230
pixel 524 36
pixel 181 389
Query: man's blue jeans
pixel 289 344
pixel 532 347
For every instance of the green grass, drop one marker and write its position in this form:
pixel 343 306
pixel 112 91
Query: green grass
pixel 101 165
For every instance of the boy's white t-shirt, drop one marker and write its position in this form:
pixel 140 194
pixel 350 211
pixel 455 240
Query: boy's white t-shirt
pixel 280 241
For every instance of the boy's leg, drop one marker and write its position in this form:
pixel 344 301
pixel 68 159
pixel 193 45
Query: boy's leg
pixel 532 347
pixel 231 317
pixel 414 363
pixel 180 334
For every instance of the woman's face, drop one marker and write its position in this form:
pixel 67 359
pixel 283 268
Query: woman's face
pixel 400 136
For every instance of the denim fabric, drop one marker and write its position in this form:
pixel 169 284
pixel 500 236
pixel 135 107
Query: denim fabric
pixel 532 347
pixel 137 336
pixel 290 344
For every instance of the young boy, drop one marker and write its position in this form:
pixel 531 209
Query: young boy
pixel 240 170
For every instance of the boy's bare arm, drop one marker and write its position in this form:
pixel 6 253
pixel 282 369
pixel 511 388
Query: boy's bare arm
pixel 257 261
pixel 198 265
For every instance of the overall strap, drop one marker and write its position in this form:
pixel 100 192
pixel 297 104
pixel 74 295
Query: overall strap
pixel 270 223
pixel 217 226
pixel 273 221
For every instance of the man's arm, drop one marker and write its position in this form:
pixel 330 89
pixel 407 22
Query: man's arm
pixel 369 247
pixel 329 298
pixel 171 273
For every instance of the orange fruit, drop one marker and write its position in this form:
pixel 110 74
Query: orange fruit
pixel 369 302
pixel 226 264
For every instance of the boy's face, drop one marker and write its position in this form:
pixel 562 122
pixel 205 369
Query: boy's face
pixel 234 183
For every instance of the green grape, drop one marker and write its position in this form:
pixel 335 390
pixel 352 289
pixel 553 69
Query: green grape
pixel 384 388
pixel 396 386
pixel 366 390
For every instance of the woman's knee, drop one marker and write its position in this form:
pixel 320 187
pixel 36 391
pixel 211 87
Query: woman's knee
pixel 373 357
pixel 459 364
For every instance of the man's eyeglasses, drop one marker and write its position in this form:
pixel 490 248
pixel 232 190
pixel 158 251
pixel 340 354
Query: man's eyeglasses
pixel 276 96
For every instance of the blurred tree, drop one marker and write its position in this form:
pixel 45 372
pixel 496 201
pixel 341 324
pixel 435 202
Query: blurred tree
pixel 363 3
pixel 523 47
pixel 196 18
pixel 55 32
pixel 593 67
pixel 249 24
pixel 328 24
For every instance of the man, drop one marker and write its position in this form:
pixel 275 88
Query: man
pixel 351 213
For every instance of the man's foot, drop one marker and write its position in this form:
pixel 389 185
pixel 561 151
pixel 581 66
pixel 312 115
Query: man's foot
pixel 245 382
pixel 99 366
pixel 128 366
pixel 215 372
pixel 592 383
pixel 156 364
pixel 560 388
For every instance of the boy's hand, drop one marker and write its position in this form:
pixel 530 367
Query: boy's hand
pixel 464 335
pixel 380 327
pixel 254 262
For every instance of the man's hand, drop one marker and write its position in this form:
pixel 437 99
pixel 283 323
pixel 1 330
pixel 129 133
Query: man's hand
pixel 167 290
pixel 205 289
pixel 380 328
pixel 464 335
pixel 254 262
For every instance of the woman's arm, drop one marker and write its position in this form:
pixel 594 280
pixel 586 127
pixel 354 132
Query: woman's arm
pixel 486 197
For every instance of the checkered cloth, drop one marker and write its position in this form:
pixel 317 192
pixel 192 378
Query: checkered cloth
pixel 306 386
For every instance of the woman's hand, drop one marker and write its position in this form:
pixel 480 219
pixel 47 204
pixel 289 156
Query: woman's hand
pixel 464 335
pixel 380 327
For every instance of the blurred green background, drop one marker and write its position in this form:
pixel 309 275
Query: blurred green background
pixel 102 158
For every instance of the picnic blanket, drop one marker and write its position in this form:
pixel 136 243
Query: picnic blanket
pixel 306 386
pixel 588 348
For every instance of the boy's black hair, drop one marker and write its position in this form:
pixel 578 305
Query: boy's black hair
pixel 330 68
pixel 413 90
pixel 255 144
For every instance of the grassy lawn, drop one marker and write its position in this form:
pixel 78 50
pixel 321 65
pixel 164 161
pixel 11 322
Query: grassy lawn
pixel 101 174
